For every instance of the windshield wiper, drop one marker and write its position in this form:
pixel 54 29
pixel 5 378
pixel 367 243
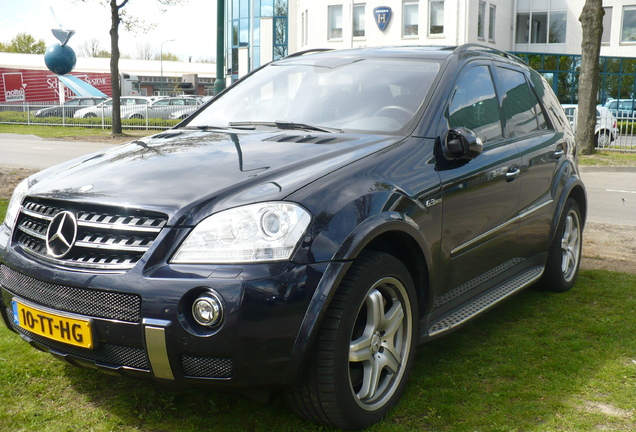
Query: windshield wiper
pixel 205 128
pixel 281 124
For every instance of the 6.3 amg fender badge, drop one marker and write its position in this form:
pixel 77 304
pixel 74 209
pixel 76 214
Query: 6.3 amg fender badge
pixel 61 234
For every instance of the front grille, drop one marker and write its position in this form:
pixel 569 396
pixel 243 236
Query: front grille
pixel 105 354
pixel 108 238
pixel 90 302
pixel 207 367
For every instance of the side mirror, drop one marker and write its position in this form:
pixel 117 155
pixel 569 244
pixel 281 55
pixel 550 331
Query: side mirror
pixel 462 143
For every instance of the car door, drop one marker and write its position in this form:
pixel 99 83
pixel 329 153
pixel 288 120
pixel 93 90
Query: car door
pixel 159 109
pixel 480 197
pixel 542 147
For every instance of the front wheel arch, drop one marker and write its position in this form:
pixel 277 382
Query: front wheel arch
pixel 359 364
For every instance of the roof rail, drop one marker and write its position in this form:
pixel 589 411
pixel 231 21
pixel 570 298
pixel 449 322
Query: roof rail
pixel 479 47
pixel 313 50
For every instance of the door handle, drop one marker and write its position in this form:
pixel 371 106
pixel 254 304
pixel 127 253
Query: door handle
pixel 513 173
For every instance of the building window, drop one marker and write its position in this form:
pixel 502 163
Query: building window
pixel 436 17
pixel 481 16
pixel 410 12
pixel 628 31
pixel 305 27
pixel 358 20
pixel 335 22
pixel 541 27
pixel 523 28
pixel 492 19
pixel 607 25
pixel 558 23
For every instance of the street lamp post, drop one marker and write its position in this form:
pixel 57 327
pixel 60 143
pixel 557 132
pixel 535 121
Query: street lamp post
pixel 161 60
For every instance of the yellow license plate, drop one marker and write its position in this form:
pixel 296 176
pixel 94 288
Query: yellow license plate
pixel 60 328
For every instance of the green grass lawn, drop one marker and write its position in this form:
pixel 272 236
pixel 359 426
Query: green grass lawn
pixel 608 158
pixel 64 132
pixel 539 362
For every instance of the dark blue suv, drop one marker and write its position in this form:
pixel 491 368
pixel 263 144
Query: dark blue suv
pixel 305 230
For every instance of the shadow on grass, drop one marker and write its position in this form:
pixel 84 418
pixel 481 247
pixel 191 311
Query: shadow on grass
pixel 528 365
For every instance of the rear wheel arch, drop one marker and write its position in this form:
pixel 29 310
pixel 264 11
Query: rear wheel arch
pixel 578 194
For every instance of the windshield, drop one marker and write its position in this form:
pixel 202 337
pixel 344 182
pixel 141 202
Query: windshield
pixel 366 95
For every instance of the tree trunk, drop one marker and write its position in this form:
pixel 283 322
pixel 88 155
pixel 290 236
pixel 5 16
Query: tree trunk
pixel 592 26
pixel 114 65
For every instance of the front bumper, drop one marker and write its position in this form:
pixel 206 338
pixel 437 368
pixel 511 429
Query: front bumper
pixel 141 322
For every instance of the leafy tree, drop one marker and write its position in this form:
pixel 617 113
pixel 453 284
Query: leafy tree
pixel 167 56
pixel 592 25
pixel 24 43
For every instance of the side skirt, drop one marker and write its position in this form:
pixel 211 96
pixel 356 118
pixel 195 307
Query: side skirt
pixel 484 302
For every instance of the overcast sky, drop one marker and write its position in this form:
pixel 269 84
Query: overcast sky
pixel 192 24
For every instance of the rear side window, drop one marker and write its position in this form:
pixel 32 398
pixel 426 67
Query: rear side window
pixel 474 105
pixel 520 104
pixel 553 114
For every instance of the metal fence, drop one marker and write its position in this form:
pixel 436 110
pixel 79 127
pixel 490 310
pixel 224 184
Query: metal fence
pixel 54 114
pixel 612 133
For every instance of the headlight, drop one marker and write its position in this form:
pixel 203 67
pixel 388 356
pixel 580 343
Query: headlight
pixel 266 231
pixel 14 204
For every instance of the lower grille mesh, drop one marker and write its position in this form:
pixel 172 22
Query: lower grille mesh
pixel 95 303
pixel 207 367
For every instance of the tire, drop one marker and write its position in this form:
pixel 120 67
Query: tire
pixel 358 368
pixel 90 115
pixel 564 256
pixel 137 117
pixel 603 139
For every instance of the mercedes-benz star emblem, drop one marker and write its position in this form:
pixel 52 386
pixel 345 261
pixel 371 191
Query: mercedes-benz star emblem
pixel 61 234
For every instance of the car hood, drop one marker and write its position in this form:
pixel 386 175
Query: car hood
pixel 191 174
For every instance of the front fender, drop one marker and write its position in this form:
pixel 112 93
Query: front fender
pixel 375 226
pixel 361 237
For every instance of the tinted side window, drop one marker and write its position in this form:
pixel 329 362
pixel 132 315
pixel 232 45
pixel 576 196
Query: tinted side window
pixel 519 103
pixel 474 105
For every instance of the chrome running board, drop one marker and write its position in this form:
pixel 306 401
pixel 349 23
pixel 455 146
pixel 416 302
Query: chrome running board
pixel 485 301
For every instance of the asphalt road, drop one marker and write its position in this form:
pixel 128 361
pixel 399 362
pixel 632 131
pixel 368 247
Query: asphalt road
pixel 28 151
pixel 611 194
pixel 611 191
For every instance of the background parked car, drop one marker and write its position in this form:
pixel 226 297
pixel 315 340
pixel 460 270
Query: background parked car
pixel 606 129
pixel 178 107
pixel 70 107
pixel 621 108
pixel 105 109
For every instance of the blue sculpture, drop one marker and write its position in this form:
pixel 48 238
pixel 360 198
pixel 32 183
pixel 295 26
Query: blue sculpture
pixel 60 59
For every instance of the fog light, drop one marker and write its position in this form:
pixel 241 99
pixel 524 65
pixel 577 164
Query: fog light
pixel 207 310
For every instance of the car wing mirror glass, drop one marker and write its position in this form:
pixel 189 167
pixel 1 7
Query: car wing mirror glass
pixel 462 143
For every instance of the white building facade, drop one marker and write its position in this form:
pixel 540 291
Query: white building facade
pixel 352 23
pixel 541 26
